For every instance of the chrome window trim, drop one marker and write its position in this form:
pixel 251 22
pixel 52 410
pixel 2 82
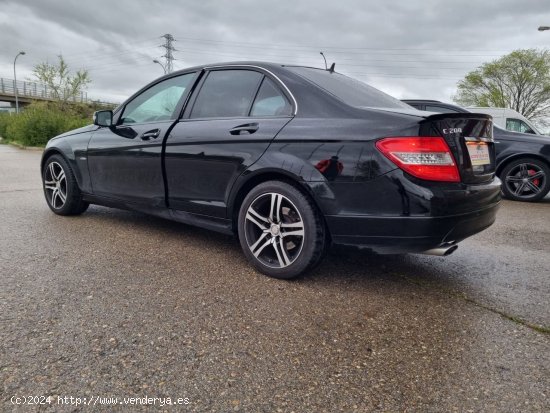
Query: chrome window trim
pixel 266 70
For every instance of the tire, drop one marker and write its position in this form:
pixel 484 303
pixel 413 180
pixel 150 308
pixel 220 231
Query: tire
pixel 525 179
pixel 280 230
pixel 60 187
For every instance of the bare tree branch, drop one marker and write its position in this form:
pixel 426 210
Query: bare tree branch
pixel 63 86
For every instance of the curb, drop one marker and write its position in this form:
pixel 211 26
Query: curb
pixel 23 147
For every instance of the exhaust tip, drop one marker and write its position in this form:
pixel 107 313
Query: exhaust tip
pixel 450 250
pixel 442 251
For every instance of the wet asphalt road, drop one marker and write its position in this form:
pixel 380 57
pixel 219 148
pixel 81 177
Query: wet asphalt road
pixel 115 303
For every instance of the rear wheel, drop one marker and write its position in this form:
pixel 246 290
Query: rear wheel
pixel 525 179
pixel 60 188
pixel 280 230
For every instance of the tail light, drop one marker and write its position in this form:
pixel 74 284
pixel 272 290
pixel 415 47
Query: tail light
pixel 423 157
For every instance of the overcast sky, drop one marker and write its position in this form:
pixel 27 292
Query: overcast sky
pixel 410 49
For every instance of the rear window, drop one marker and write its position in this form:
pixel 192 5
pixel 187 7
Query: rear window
pixel 351 91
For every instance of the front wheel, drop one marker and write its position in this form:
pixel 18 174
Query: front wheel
pixel 525 179
pixel 280 230
pixel 60 187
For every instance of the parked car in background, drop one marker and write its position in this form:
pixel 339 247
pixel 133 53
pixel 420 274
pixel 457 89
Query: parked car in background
pixel 434 106
pixel 288 158
pixel 508 119
pixel 523 159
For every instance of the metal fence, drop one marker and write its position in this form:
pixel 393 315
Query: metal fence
pixel 35 90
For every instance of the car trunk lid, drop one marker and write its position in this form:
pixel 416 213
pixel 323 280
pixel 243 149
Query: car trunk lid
pixel 470 139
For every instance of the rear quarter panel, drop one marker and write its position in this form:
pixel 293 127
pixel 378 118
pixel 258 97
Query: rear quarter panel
pixel 336 160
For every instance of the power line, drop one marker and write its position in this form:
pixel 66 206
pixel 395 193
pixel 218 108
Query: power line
pixel 314 54
pixel 357 57
pixel 295 46
pixel 274 51
pixel 393 63
pixel 136 61
pixel 402 76
pixel 110 54
pixel 354 51
pixel 115 48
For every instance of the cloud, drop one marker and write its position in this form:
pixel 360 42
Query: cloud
pixel 416 48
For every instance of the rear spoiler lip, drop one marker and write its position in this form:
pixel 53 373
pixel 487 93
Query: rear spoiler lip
pixel 426 115
pixel 441 116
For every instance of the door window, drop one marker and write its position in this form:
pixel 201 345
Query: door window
pixel 270 101
pixel 159 102
pixel 517 125
pixel 226 93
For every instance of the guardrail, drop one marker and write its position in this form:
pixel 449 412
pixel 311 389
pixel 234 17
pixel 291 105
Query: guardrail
pixel 34 90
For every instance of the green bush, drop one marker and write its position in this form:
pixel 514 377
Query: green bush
pixel 38 123
pixel 4 119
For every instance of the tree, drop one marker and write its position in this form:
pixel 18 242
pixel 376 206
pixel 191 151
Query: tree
pixel 519 80
pixel 63 86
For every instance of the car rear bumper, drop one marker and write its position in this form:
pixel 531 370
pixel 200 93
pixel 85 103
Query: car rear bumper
pixel 445 223
pixel 395 235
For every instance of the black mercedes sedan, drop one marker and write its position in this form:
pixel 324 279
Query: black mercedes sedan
pixel 522 159
pixel 288 158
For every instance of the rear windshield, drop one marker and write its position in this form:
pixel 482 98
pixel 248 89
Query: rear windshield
pixel 351 91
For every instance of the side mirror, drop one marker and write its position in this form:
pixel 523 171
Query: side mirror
pixel 530 131
pixel 103 118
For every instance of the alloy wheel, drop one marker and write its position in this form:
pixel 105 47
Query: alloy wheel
pixel 55 183
pixel 274 230
pixel 525 180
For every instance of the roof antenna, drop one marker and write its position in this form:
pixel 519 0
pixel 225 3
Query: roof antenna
pixel 322 54
pixel 331 70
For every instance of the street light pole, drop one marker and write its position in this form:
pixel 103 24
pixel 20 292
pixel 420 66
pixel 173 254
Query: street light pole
pixel 15 82
pixel 543 28
pixel 325 59
pixel 161 65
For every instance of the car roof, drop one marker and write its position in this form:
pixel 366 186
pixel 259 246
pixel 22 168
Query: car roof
pixel 251 63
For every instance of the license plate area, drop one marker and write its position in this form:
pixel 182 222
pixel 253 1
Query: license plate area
pixel 479 153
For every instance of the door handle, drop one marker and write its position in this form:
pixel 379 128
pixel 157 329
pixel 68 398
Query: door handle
pixel 249 128
pixel 154 133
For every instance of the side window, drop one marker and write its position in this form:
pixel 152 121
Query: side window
pixel 270 101
pixel 517 125
pixel 440 109
pixel 226 93
pixel 157 103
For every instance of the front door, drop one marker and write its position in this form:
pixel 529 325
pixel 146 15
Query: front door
pixel 125 160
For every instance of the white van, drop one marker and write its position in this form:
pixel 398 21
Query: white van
pixel 508 119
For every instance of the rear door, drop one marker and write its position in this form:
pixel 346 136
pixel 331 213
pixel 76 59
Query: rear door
pixel 230 121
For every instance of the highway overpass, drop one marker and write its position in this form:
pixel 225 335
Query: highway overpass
pixel 28 92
